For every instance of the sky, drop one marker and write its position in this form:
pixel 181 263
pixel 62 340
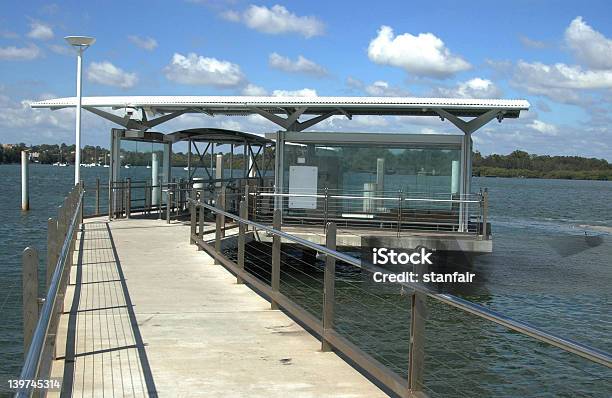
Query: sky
pixel 555 54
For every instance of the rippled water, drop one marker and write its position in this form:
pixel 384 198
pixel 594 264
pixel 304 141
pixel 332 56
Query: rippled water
pixel 543 270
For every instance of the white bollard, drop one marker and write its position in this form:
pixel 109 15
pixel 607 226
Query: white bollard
pixel 455 173
pixel 25 194
pixel 380 181
pixel 154 179
pixel 369 191
pixel 219 169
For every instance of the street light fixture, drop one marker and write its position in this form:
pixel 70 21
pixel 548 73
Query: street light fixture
pixel 80 44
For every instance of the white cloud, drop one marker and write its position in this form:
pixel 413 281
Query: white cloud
pixel 40 31
pixel 538 78
pixel 473 88
pixel 110 75
pixel 198 70
pixel 543 106
pixel 18 118
pixel 62 49
pixel 252 89
pixel 12 53
pixel 305 92
pixel 276 20
pixel 231 15
pixel 381 88
pixel 300 65
pixel 20 123
pixel 7 34
pixel 589 46
pixel 531 43
pixel 146 43
pixel 544 128
pixel 422 55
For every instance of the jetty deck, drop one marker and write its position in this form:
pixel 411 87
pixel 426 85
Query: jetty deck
pixel 146 313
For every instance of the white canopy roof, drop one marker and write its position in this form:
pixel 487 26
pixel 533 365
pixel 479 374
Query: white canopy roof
pixel 315 105
pixel 293 107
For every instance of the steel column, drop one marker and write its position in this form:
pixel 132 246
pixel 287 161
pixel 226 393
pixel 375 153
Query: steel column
pixel 329 287
pixel 241 239
pixel 276 258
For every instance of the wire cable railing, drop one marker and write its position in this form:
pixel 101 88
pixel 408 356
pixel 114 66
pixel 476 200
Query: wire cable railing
pixel 342 313
pixel 395 212
pixel 40 330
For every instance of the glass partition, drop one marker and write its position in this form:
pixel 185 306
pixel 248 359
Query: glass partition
pixel 415 170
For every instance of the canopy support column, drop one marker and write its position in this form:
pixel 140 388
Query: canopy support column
pixel 465 187
pixel 279 165
pixel 167 163
pixel 115 167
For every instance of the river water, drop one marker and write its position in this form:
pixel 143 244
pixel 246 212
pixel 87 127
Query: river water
pixel 550 266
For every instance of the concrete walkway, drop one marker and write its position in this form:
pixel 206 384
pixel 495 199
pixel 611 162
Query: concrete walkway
pixel 148 314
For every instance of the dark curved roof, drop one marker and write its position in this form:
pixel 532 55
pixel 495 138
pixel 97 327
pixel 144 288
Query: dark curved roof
pixel 216 135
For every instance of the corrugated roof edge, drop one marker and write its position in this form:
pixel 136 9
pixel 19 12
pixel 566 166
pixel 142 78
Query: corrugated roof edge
pixel 246 101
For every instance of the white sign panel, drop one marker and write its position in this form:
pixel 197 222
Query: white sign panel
pixel 303 181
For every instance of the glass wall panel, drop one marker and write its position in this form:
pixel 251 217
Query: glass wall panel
pixel 415 170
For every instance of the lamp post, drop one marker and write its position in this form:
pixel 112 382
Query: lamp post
pixel 80 44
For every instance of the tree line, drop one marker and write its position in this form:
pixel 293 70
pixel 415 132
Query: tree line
pixel 515 164
pixel 525 165
pixel 49 154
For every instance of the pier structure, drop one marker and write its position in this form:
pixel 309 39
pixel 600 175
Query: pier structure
pixel 395 189
pixel 202 304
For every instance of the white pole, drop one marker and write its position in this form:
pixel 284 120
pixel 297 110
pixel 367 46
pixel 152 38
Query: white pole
pixel 77 160
pixel 219 169
pixel 25 196
pixel 155 179
pixel 455 177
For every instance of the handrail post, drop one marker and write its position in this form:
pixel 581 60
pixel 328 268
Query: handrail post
pixel 329 288
pixel 169 195
pixel 123 196
pixel 159 198
pixel 255 204
pixel 276 258
pixel 128 200
pixel 145 197
pixel 52 249
pixel 193 222
pixel 79 188
pixel 150 192
pixel 246 203
pixel 241 239
pixel 218 227
pixel 399 212
pixel 110 200
pixel 418 315
pixel 30 295
pixel 201 223
pixel 326 205
pixel 97 196
pixel 222 204
pixel 181 192
pixel 485 213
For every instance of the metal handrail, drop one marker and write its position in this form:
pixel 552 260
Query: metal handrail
pixel 582 350
pixel 33 358
pixel 397 199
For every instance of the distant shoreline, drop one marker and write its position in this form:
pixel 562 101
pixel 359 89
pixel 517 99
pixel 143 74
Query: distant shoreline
pixel 517 164
pixel 506 173
pixel 594 175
